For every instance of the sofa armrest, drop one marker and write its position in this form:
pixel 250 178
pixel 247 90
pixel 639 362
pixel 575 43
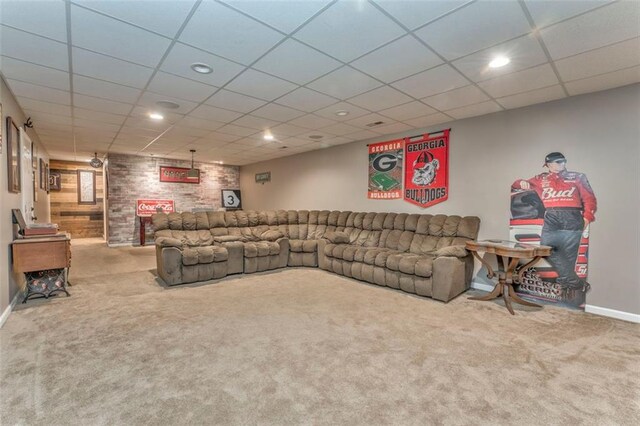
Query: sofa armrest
pixel 451 251
pixel 168 242
pixel 450 277
pixel 283 257
pixel 169 262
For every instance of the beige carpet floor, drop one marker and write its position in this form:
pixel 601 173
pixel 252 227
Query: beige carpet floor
pixel 302 346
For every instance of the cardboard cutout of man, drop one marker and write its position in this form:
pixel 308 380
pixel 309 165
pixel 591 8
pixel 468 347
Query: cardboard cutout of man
pixel 570 206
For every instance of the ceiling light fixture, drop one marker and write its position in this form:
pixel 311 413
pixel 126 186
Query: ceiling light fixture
pixel 167 104
pixel 193 173
pixel 342 113
pixel 201 68
pixel 268 136
pixel 498 62
pixel 95 162
pixel 156 116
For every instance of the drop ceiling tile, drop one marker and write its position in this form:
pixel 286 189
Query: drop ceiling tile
pixel 547 12
pixel 521 81
pixel 600 61
pixel 33 91
pixel 393 128
pixel 397 60
pixel 40 106
pixel 181 57
pixel 232 129
pixel 31 48
pixel 213 113
pixel 296 142
pixel 260 85
pixel 427 83
pixel 49 127
pixel 340 129
pixel 306 100
pixel 456 98
pixel 99 33
pixel 287 130
pixel 98 104
pixel 311 121
pixel 142 122
pixel 183 129
pixel 363 121
pixel 287 16
pixel 477 26
pixel 413 14
pixel 110 69
pixel 277 112
pixel 80 114
pixel 225 32
pixel 250 142
pixel 200 124
pixel 330 111
pixel 136 131
pixel 428 120
pixel 359 23
pixel 179 87
pixel 474 110
pixel 533 97
pixel 91 127
pixel 296 62
pixel 344 83
pixel 524 52
pixel 217 137
pixel 234 101
pixel 604 81
pixel 253 122
pixel 362 135
pixel 610 24
pixel 161 16
pixel 149 101
pixel 407 111
pixel 104 89
pixel 44 18
pixel 381 98
pixel 36 74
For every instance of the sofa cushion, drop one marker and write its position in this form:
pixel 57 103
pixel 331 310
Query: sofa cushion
pixel 228 238
pixel 337 237
pixel 261 249
pixel 451 251
pixel 198 255
pixel 271 235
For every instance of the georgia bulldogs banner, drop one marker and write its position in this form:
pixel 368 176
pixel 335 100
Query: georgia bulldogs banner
pixel 385 170
pixel 426 172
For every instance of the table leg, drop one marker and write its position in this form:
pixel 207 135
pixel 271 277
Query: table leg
pixel 497 292
pixel 507 300
pixel 517 299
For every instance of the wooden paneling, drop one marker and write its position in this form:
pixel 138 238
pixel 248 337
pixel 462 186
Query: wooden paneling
pixel 80 220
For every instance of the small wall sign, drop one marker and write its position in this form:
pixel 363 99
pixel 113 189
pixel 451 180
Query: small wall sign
pixel 54 180
pixel 178 175
pixel 263 177
pixel 146 208
pixel 231 199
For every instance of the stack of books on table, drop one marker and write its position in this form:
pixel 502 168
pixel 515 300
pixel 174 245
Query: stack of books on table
pixel 39 230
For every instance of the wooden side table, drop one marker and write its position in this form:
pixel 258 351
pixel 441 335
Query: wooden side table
pixel 509 254
pixel 45 261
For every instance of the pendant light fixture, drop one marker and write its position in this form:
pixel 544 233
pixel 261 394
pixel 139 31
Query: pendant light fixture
pixel 193 173
pixel 95 161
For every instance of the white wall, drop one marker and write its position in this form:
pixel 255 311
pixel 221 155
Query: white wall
pixel 9 282
pixel 599 133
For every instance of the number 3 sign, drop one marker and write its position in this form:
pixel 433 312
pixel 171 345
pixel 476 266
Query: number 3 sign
pixel 231 199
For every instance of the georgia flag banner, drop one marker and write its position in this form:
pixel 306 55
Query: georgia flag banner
pixel 426 169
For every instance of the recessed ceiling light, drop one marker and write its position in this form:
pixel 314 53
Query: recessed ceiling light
pixel 167 104
pixel 498 62
pixel 342 113
pixel 267 136
pixel 156 116
pixel 201 68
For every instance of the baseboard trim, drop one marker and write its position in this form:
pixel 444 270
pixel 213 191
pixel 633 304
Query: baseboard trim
pixel 119 244
pixel 5 315
pixel 482 286
pixel 612 313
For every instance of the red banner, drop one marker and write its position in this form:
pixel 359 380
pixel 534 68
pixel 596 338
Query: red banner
pixel 146 208
pixel 178 174
pixel 385 170
pixel 426 171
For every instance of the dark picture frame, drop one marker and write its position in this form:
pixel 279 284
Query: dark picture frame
pixel 13 156
pixel 43 185
pixel 54 180
pixel 1 128
pixel 86 187
pixel 46 177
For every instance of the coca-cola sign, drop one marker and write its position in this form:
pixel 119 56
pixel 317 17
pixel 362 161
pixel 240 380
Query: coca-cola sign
pixel 146 208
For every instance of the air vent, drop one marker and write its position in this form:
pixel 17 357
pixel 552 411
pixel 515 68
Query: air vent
pixel 376 123
pixel 283 147
pixel 167 104
pixel 316 137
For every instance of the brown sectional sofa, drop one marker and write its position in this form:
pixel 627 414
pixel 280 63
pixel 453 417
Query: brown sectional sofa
pixel 421 254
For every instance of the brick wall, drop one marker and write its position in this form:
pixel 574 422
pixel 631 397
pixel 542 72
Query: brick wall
pixel 132 177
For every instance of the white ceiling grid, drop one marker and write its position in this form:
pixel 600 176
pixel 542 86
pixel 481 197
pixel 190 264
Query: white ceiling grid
pixel 88 72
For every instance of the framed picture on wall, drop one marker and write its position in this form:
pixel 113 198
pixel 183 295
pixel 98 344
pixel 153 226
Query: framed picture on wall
pixel 34 156
pixel 86 187
pixel 34 182
pixel 0 129
pixel 54 180
pixel 46 177
pixel 13 156
pixel 42 184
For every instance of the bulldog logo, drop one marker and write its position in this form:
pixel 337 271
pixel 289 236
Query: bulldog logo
pixel 424 169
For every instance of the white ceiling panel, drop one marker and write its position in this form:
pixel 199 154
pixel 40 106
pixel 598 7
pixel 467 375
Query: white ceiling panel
pixel 306 100
pixel 234 101
pixel 397 60
pixel 31 73
pixel 288 16
pixel 362 135
pixel 101 34
pixel 33 91
pixel 46 18
pixel 225 32
pixel 260 85
pixel 161 16
pixel 200 124
pixel 364 121
pixel 344 83
pixel 98 104
pixel 393 128
pixel 207 112
pixel 287 130
pixel 232 129
pixel 523 52
pixel 41 106
pixel 296 142
pixel 533 97
pixel 428 120
pixel 104 89
pixel 521 81
pixel 277 112
pixel 312 121
pixel 42 117
pixel 456 98
pixel 349 29
pixel 353 111
pixel 609 24
pixel 149 100
pixel 35 49
pixel 407 111
pixel 86 114
pixel 253 122
pixel 600 61
pixel 604 81
pixel 183 129
pixel 340 129
pixel 179 87
pixel 547 12
pixel 381 98
pixel 474 110
pixel 181 57
pixel 475 27
pixel 102 67
pixel 437 80
pixel 296 62
pixel 413 14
